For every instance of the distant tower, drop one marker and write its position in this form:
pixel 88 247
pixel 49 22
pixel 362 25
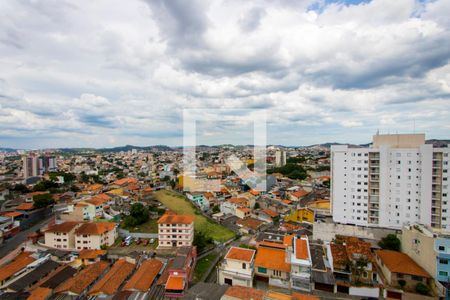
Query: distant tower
pixel 280 158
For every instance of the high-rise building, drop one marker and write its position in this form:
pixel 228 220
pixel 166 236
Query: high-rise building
pixel 399 180
pixel 280 158
pixel 35 165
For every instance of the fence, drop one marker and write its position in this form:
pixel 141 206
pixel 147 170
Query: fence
pixel 124 233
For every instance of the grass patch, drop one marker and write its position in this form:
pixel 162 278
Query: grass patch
pixel 151 226
pixel 182 206
pixel 203 265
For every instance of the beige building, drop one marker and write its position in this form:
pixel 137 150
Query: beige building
pixel 95 235
pixel 77 235
pixel 175 230
pixel 61 236
pixel 237 267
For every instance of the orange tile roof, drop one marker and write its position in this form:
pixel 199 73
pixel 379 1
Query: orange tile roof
pixel 111 282
pixel 238 201
pixel 287 240
pixel 271 213
pixel 143 278
pixel 274 259
pixel 398 262
pixel 355 247
pixel 244 209
pixel 340 256
pixel 244 293
pixel 298 296
pixel 25 206
pixel 250 223
pixel 103 196
pixel 95 228
pixel 90 253
pixel 240 254
pixel 63 227
pixel 272 245
pixel 299 194
pixel 301 249
pixel 83 279
pixel 94 187
pixel 125 181
pixel 175 283
pixel 11 214
pixel 96 201
pixel 254 192
pixel 175 219
pixel 285 201
pixel 20 262
pixel 40 293
pixel 271 295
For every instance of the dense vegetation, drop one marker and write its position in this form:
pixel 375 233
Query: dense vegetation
pixel 138 214
pixel 43 200
pixel 290 170
pixel 390 242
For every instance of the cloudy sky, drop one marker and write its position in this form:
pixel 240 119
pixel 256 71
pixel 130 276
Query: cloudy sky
pixel 112 72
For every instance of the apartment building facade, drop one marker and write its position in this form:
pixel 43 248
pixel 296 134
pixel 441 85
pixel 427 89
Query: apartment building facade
pixel 175 230
pixel 399 180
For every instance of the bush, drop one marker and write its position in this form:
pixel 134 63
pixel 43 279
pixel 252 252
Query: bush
pixel 402 283
pixel 43 200
pixel 422 289
pixel 390 242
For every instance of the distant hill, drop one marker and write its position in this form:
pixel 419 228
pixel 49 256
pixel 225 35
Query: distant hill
pixel 8 150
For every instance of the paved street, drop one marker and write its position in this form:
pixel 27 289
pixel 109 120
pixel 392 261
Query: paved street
pixel 21 237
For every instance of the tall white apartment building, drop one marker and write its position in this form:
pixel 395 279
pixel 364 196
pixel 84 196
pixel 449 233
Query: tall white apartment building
pixel 399 180
pixel 280 158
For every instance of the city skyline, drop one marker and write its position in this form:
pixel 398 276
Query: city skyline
pixel 104 74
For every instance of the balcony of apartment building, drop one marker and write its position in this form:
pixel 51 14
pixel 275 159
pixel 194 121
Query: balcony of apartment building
pixel 435 220
pixel 436 179
pixel 374 198
pixel 374 178
pixel 374 155
pixel 436 203
pixel 373 213
pixel 374 170
pixel 374 192
pixel 374 185
pixel 435 211
pixel 436 188
pixel 437 164
pixel 374 206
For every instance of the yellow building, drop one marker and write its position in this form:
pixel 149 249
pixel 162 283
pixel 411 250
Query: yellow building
pixel 301 215
pixel 322 207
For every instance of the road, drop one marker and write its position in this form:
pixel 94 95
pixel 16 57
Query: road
pixel 21 237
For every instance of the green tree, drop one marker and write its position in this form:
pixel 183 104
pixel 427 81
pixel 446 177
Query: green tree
pixel 138 214
pixel 42 200
pixel 390 242
pixel 21 188
pixel 44 186
pixel 422 289
pixel 201 240
pixel 256 205
pixel 215 209
pixel 359 266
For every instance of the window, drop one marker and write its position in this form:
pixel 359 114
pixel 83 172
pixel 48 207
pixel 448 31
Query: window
pixel 262 270
pixel 244 266
pixel 443 261
pixel 443 273
pixel 416 278
pixel 441 248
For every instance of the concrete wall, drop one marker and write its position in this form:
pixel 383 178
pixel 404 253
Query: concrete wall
pixel 364 291
pixel 124 233
pixel 327 231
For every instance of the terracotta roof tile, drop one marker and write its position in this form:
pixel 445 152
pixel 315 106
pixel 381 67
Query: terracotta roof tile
pixel 250 223
pixel 271 213
pixel 111 282
pixel 299 194
pixel 175 219
pixel 25 206
pixel 63 227
pixel 287 240
pixel 40 293
pixel 11 214
pixel 95 228
pixel 301 249
pixel 90 253
pixel 83 279
pixel 175 283
pixel 144 276
pixel 240 254
pixel 244 293
pixel 398 262
pixel 298 296
pixel 20 262
pixel 274 259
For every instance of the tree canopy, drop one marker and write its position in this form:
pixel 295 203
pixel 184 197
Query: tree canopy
pixel 390 242
pixel 42 200
pixel 138 214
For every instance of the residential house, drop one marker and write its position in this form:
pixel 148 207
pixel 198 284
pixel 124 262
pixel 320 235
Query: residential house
pixel 243 293
pixel 230 206
pixel 88 256
pixel 242 212
pixel 237 267
pixel 109 284
pixel 143 278
pixel 272 265
pixel 300 260
pixel 199 199
pixel 249 225
pixel 430 249
pixel 180 272
pixel 298 195
pixel 15 267
pixel 399 270
pixel 267 215
pixel 175 230
pixel 77 285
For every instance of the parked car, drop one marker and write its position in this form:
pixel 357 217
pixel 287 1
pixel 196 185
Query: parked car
pixel 145 242
pixel 152 241
pixel 138 241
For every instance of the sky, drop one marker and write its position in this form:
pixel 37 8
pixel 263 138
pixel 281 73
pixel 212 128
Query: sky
pixel 109 72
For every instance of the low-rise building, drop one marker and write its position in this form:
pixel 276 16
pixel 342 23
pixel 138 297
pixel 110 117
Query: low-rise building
pixel 237 267
pixel 61 236
pixel 399 270
pixel 300 260
pixel 95 235
pixel 175 230
pixel 180 272
pixel 272 265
